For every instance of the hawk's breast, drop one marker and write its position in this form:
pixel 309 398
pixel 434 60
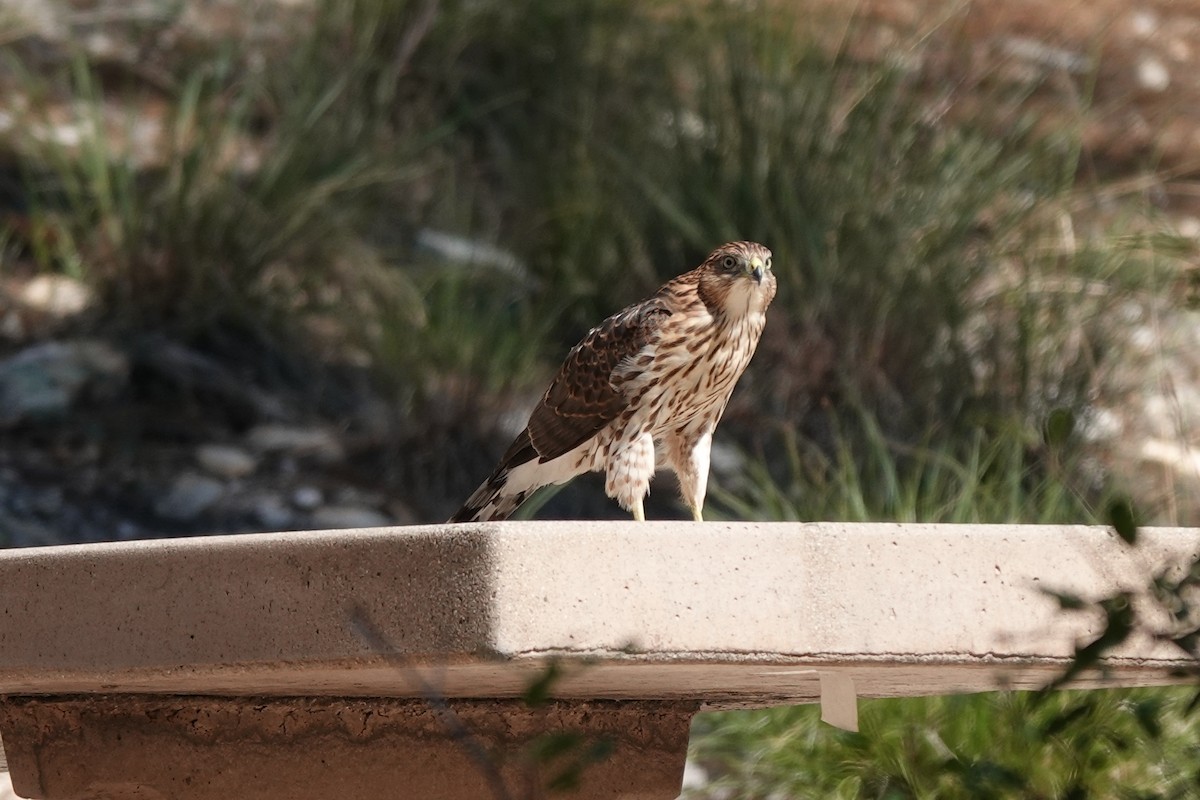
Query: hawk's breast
pixel 689 372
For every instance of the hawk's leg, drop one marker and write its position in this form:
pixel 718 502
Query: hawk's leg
pixel 687 453
pixel 628 471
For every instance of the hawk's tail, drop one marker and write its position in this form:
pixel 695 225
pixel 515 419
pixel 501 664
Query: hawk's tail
pixel 502 493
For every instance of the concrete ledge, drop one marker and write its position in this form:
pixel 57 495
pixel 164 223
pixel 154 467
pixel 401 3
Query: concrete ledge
pixel 122 653
pixel 730 613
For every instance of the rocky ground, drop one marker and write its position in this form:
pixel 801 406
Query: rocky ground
pixel 129 439
pixel 1143 118
pixel 99 441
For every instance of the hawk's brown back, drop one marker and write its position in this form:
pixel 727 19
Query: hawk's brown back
pixel 583 398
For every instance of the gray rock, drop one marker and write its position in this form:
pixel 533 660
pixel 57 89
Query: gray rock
pixel 48 502
pixel 56 295
pixel 400 514
pixel 38 17
pixel 471 252
pixel 17 531
pixel 225 461
pixel 273 513
pixel 189 497
pixel 42 381
pixel 727 459
pixel 307 498
pixel 295 441
pixel 348 517
pixel 192 371
pixel 357 496
pixel 1045 55
pixel 128 530
pixel 1153 74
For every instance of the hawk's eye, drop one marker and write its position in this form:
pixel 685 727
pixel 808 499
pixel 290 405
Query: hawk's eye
pixel 729 262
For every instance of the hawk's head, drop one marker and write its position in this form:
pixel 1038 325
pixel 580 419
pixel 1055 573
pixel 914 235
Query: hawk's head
pixel 737 278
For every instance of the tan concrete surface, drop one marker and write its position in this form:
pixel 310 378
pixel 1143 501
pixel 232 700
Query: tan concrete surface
pixel 315 664
pixel 736 614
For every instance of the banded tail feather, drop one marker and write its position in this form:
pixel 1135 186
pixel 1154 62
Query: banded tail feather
pixel 499 496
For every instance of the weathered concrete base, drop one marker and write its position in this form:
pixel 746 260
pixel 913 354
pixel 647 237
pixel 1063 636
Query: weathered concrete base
pixel 123 747
pixel 173 668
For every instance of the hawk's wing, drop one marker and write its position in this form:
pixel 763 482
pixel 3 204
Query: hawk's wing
pixel 582 399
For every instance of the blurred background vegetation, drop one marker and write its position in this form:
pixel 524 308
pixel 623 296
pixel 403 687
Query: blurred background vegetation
pixel 308 264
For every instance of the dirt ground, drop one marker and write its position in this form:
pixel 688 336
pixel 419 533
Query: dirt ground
pixel 1132 65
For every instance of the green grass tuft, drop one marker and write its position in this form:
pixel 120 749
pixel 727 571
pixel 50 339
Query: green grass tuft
pixel 266 183
pixel 989 476
pixel 1105 743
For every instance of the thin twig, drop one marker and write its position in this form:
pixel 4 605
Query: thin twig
pixel 414 36
pixel 374 639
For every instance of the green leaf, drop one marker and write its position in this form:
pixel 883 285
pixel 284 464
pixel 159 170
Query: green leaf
pixel 1121 517
pixel 1148 713
pixel 600 749
pixel 567 780
pixel 538 692
pixel 1064 719
pixel 1060 424
pixel 1192 705
pixel 555 744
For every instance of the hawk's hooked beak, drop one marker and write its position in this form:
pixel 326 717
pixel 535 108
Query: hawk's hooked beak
pixel 755 268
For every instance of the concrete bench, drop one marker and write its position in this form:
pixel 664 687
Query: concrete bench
pixel 393 662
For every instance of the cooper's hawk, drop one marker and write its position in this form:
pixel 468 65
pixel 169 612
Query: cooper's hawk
pixel 658 373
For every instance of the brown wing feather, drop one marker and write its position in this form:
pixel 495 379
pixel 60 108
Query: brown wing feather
pixel 582 399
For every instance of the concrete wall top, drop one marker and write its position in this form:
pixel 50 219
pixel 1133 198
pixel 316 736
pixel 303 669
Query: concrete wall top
pixel 737 613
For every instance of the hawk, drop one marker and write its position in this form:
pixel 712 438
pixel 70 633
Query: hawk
pixel 659 373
